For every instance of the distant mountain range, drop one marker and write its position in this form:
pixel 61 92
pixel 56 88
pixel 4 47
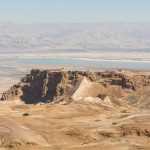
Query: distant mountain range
pixel 100 36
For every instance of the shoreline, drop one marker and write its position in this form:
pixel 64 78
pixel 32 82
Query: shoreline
pixel 105 55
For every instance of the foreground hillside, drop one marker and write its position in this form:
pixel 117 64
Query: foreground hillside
pixel 77 110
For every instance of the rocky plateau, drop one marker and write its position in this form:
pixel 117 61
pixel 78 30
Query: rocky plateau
pixel 77 110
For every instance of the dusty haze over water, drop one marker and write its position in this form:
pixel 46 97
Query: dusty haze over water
pixel 101 45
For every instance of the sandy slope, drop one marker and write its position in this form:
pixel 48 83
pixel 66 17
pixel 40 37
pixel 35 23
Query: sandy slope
pixel 87 121
pixel 87 89
pixel 75 126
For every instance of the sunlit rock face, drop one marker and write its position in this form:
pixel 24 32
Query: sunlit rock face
pixel 51 85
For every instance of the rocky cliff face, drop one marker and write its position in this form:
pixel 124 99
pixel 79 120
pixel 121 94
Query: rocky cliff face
pixel 51 85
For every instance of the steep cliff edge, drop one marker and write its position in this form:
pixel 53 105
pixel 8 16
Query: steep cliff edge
pixel 54 85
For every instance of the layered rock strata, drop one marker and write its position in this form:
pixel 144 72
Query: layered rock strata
pixel 51 85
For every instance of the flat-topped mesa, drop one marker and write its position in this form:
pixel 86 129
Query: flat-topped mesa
pixel 50 85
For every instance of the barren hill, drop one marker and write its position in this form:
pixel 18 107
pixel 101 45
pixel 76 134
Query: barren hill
pixel 76 110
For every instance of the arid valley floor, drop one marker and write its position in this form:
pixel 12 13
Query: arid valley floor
pixel 77 110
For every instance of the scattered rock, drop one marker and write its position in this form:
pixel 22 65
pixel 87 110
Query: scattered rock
pixel 25 114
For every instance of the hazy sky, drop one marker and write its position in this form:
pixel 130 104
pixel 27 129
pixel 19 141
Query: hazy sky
pixel 30 11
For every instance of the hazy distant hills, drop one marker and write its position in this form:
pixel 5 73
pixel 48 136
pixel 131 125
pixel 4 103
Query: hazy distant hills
pixel 101 36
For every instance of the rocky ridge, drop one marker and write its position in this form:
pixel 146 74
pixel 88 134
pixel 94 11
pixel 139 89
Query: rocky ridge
pixel 54 85
pixel 77 110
